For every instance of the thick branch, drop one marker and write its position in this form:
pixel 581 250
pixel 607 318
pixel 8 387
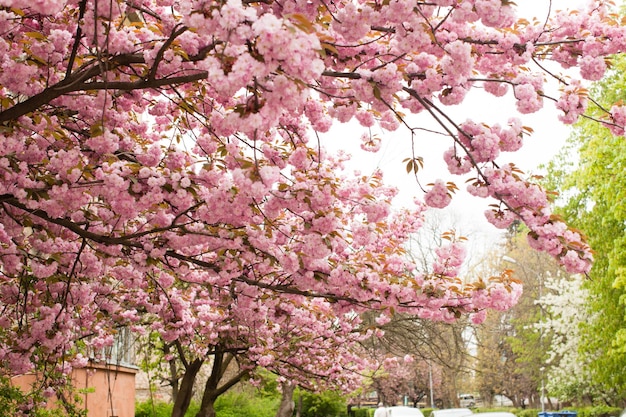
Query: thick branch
pixel 70 225
pixel 77 37
pixel 68 85
pixel 231 382
pixel 77 229
pixel 77 80
pixel 142 84
pixel 287 289
pixel 337 74
pixel 164 47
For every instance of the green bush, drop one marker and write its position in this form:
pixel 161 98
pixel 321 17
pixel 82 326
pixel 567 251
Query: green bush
pixel 161 409
pixel 362 412
pixel 598 411
pixel 526 412
pixel 10 397
pixel 324 404
pixel 153 409
pixel 231 404
pixel 239 404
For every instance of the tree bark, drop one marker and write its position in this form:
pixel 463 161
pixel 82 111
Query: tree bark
pixel 174 378
pixel 285 409
pixel 299 410
pixel 212 388
pixel 185 392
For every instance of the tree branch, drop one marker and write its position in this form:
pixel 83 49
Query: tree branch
pixel 68 85
pixel 77 37
pixel 142 84
pixel 337 74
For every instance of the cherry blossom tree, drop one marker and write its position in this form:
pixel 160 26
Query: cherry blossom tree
pixel 435 349
pixel 404 377
pixel 391 381
pixel 159 170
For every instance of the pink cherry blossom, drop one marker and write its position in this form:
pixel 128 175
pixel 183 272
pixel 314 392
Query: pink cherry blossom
pixel 438 196
pixel 528 100
pixel 573 103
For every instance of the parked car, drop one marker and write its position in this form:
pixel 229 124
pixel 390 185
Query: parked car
pixel 502 401
pixel 467 400
pixel 452 412
pixel 402 411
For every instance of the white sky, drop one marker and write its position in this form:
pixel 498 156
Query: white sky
pixel 548 138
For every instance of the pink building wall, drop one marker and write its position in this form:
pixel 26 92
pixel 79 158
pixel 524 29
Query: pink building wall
pixel 111 389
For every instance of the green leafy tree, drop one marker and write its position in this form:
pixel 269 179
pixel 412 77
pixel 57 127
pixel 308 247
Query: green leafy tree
pixel 591 172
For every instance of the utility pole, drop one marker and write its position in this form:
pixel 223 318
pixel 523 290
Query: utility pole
pixel 430 382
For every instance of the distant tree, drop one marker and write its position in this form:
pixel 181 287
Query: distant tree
pixel 521 365
pixel 495 361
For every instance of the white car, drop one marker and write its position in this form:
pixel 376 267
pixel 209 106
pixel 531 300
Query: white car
pixel 401 411
pixel 452 412
pixel 495 414
pixel 502 401
pixel 467 400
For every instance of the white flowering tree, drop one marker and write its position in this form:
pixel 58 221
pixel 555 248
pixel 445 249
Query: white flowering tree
pixel 565 303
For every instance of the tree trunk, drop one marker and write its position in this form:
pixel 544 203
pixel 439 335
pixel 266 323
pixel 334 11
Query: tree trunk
pixel 185 392
pixel 207 408
pixel 212 388
pixel 174 381
pixel 299 410
pixel 285 409
pixel 174 377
